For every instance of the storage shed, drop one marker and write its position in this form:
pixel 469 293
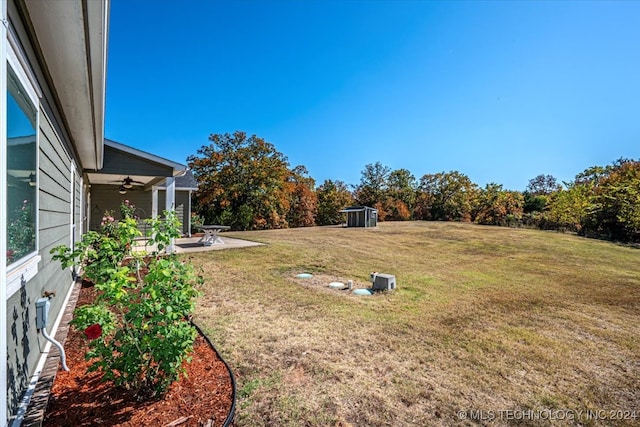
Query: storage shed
pixel 361 216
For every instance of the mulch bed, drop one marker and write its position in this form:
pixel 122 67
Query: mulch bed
pixel 78 398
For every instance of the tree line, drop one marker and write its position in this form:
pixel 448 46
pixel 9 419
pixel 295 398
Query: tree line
pixel 244 182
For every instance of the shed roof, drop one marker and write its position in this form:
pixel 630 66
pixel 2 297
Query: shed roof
pixel 357 209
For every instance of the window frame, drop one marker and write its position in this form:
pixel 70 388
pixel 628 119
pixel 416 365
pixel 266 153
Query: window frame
pixel 4 27
pixel 26 267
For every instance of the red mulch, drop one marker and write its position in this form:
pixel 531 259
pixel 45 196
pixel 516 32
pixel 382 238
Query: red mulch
pixel 79 398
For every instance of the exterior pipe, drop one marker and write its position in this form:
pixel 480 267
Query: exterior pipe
pixel 26 399
pixel 42 316
pixel 63 357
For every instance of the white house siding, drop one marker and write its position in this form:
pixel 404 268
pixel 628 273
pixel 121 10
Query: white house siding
pixel 25 344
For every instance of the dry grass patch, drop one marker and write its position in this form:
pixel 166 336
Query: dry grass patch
pixel 320 283
pixel 483 318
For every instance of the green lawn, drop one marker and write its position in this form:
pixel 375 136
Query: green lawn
pixel 484 318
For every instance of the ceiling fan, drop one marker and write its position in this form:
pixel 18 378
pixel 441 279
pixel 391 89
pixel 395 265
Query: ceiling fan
pixel 127 184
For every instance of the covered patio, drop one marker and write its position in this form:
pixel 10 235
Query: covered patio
pixel 149 182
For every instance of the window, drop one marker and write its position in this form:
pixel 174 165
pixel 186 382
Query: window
pixel 21 170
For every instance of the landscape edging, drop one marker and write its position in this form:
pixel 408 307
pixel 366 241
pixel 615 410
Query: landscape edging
pixel 229 420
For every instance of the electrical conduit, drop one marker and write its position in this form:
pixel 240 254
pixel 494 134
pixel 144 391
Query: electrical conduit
pixel 63 357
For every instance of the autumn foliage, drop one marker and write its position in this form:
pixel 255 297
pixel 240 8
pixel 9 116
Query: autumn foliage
pixel 303 200
pixel 244 182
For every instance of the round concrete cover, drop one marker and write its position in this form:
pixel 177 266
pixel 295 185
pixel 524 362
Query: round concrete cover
pixel 304 276
pixel 336 285
pixel 362 292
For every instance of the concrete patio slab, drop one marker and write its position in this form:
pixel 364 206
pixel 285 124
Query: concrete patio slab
pixel 190 244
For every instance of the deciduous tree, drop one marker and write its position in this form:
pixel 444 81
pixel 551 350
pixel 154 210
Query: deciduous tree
pixel 396 210
pixel 332 197
pixel 303 200
pixel 373 185
pixel 616 208
pixel 402 188
pixel 445 196
pixel 242 182
pixel 496 206
pixel 569 208
pixel 543 185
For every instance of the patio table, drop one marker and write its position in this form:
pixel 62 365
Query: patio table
pixel 211 234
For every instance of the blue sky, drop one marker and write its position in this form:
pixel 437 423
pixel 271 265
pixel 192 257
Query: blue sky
pixel 500 91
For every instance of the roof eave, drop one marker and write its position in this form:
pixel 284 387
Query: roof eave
pixel 72 37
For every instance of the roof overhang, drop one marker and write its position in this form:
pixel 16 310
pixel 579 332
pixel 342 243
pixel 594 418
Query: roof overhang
pixel 72 37
pixel 117 146
pixel 122 161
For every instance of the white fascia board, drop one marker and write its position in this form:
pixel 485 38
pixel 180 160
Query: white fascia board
pixel 98 18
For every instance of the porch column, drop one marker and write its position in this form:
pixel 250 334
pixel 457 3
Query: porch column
pixel 170 201
pixel 170 195
pixel 154 202
pixel 189 215
pixel 86 214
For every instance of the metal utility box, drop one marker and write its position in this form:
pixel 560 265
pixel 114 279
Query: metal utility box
pixel 383 282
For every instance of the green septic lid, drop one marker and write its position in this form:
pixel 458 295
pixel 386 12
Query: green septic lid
pixel 304 276
pixel 362 292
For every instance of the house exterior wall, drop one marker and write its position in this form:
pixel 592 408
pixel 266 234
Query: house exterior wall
pixel 59 197
pixel 106 198
pixel 56 173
